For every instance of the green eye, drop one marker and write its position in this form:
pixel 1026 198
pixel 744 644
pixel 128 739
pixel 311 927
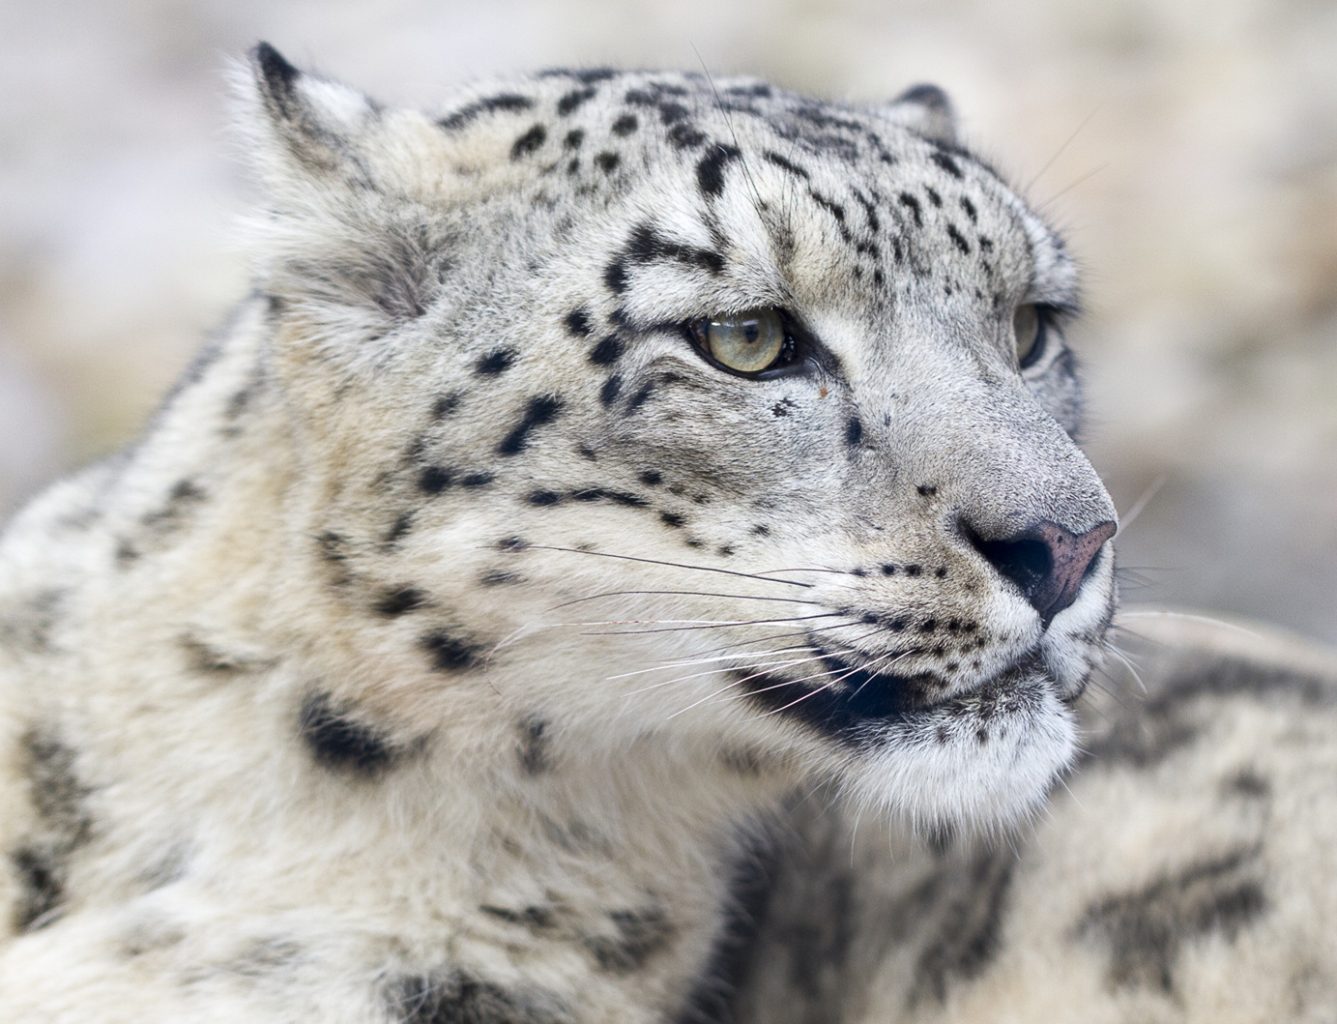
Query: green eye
pixel 1028 329
pixel 748 343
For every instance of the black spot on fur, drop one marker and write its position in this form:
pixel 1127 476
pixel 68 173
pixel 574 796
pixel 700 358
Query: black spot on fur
pixel 534 746
pixel 453 997
pixel 625 125
pixel 912 204
pixel 573 138
pixel 542 498
pixel 512 544
pixel 968 938
pixel 958 239
pixel 673 519
pixel 969 209
pixel 607 161
pixel 476 480
pixel 786 165
pixel 542 409
pixel 63 824
pixel 646 245
pixel 495 362
pixel 933 196
pixel 651 478
pixel 607 351
pixel 1146 929
pixel 686 136
pixel 926 490
pixel 710 169
pixel 529 141
pixel 510 102
pixel 336 739
pixel 449 653
pixel 946 163
pixel 578 322
pixel 399 601
pixel 853 431
pixel 446 404
pixel 535 918
pixel 574 100
pixel 435 479
pixel 638 935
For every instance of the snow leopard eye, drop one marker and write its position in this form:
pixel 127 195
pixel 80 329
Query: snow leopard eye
pixel 749 343
pixel 1030 325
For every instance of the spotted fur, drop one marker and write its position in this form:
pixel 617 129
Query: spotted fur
pixel 450 642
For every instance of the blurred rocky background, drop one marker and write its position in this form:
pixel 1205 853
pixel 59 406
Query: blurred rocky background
pixel 1189 148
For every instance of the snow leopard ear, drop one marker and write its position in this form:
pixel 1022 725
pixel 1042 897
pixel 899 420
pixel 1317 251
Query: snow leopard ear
pixel 303 125
pixel 347 236
pixel 925 109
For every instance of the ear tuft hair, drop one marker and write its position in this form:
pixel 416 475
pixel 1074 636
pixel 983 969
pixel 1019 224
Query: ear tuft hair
pixel 925 109
pixel 277 78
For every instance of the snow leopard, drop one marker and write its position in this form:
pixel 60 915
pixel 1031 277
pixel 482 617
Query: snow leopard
pixel 607 476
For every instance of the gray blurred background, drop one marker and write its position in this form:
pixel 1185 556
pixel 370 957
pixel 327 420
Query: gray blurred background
pixel 1189 148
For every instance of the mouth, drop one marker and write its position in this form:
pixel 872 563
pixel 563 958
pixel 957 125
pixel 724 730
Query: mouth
pixel 848 701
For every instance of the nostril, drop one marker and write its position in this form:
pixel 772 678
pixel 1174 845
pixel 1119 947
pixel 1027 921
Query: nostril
pixel 1027 562
pixel 1047 562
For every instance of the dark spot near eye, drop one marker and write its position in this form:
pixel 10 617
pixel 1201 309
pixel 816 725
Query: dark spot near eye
pixel 672 519
pixel 888 569
pixel 868 618
pixel 586 452
pixel 573 100
pixel 542 409
pixel 625 125
pixel 574 138
pixel 434 479
pixel 578 322
pixel 710 169
pixel 607 351
pixel 898 625
pixel 449 653
pixel 853 431
pixel 651 478
pixel 544 498
pixel 607 162
pixel 609 392
pixel 337 739
pixel 926 490
pixel 946 163
pixel 637 400
pixel 495 363
pixel 913 570
pixel 911 204
pixel 928 626
pixel 958 239
pixel 941 572
pixel 781 408
pixel 399 601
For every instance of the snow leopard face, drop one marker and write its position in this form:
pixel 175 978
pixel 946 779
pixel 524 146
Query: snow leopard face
pixel 644 409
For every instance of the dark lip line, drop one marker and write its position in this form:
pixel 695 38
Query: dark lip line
pixel 869 697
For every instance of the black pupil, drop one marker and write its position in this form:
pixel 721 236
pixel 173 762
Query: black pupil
pixel 751 331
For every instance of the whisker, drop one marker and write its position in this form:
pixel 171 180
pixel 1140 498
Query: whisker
pixel 682 593
pixel 674 565
pixel 715 671
pixel 688 663
pixel 1157 613
pixel 708 624
pixel 1142 502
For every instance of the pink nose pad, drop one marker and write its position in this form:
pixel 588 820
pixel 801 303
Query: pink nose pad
pixel 1047 562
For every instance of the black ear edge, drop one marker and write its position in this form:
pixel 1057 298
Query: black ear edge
pixel 925 94
pixel 276 77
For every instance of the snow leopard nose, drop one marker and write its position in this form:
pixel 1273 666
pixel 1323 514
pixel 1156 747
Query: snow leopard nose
pixel 1046 561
